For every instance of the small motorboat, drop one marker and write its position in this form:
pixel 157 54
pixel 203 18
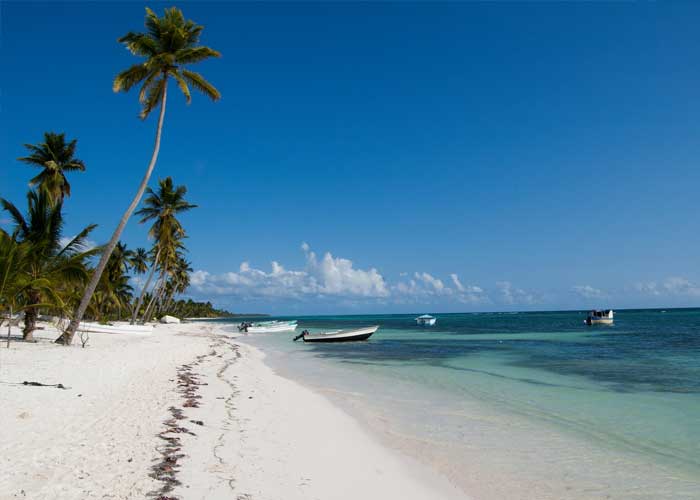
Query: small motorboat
pixel 339 335
pixel 268 327
pixel 597 317
pixel 426 320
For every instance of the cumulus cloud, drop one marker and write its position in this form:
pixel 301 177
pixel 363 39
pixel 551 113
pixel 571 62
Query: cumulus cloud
pixel 424 287
pixel 329 275
pixel 588 292
pixel 673 286
pixel 512 295
pixel 337 278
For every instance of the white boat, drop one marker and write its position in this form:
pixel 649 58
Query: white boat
pixel 269 327
pixel 596 317
pixel 118 328
pixel 426 320
pixel 339 335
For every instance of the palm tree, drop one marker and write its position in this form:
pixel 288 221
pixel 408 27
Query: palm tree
pixel 178 283
pixel 47 267
pixel 168 46
pixel 163 206
pixel 139 261
pixel 55 157
pixel 14 280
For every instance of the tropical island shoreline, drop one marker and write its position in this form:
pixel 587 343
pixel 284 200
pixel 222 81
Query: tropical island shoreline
pixel 206 419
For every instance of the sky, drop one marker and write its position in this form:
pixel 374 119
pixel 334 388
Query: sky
pixel 389 157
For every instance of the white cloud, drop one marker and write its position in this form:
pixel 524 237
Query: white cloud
pixel 588 292
pixel 457 283
pixel 424 287
pixel 329 276
pixel 337 276
pixel 672 286
pixel 511 295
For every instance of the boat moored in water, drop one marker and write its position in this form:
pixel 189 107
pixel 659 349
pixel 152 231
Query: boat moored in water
pixel 596 317
pixel 426 320
pixel 339 335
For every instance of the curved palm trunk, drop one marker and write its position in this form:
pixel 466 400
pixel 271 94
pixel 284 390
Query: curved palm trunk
pixel 67 336
pixel 135 312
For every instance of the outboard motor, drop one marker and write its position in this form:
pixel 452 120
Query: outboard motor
pixel 305 332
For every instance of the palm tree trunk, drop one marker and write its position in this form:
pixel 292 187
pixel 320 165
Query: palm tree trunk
pixel 168 302
pixel 67 337
pixel 157 292
pixel 30 316
pixel 143 292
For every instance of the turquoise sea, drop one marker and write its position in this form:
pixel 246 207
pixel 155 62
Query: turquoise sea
pixel 534 402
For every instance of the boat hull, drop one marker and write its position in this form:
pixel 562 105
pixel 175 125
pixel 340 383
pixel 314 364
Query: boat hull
pixel 356 338
pixel 428 322
pixel 271 329
pixel 119 329
pixel 599 321
pixel 343 336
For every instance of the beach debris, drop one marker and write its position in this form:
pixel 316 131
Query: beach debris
pixel 39 384
pixel 167 466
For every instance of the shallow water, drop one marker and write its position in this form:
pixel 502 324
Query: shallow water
pixel 609 411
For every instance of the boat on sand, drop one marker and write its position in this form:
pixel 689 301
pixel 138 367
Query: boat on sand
pixel 114 328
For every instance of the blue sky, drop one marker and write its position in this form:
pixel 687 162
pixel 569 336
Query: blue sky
pixel 545 155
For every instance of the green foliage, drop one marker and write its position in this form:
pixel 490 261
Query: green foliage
pixel 191 309
pixel 55 157
pixel 167 46
pixel 36 269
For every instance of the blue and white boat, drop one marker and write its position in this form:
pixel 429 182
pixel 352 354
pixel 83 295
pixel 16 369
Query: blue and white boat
pixel 426 320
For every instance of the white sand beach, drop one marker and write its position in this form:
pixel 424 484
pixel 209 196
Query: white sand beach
pixel 183 413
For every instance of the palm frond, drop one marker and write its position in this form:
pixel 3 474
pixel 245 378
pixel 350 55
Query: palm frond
pixel 129 77
pixel 16 215
pixel 195 54
pixel 154 96
pixel 78 243
pixel 198 82
pixel 183 86
pixel 139 44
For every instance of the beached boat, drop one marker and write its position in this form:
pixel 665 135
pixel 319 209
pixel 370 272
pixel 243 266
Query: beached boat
pixel 339 335
pixel 596 317
pixel 268 327
pixel 426 320
pixel 115 328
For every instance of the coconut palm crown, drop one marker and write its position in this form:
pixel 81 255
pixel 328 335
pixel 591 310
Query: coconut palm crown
pixel 169 44
pixel 55 157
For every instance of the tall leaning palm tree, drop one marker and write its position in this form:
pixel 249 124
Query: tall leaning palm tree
pixel 55 157
pixel 169 45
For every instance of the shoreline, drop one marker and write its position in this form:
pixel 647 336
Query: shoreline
pixel 236 427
